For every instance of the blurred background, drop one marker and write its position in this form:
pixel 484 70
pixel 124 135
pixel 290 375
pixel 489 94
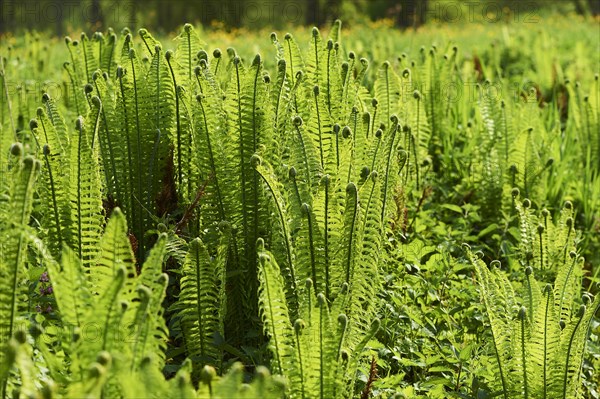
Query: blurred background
pixel 66 16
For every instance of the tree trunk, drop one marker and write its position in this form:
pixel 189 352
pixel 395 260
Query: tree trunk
pixel 95 15
pixel 333 10
pixel 312 13
pixel 132 15
pixel 166 21
pixel 208 12
pixel 2 17
pixel 410 13
pixel 234 13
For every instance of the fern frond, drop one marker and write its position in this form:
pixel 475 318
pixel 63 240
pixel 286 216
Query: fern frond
pixel 387 92
pixel 188 45
pixel 150 327
pixel 113 145
pixel 543 344
pixel 14 243
pixel 107 48
pixel 89 57
pixel 282 240
pixel 70 288
pixel 497 305
pixel 85 190
pixel 200 301
pixel 115 253
pixel 104 319
pixel 276 320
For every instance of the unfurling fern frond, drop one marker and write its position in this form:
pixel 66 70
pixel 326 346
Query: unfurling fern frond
pixel 188 46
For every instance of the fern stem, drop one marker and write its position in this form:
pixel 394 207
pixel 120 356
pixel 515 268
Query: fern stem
pixel 326 239
pixel 285 231
pixel 328 80
pixel 305 156
pixel 337 147
pixel 300 361
pixel 54 203
pixel 375 153
pixel 432 99
pixel 564 287
pixel 522 316
pixel 387 91
pixel 296 191
pixel 500 368
pixel 143 36
pixel 178 121
pixel 241 149
pixel 546 314
pixel 141 227
pixel 316 48
pixel 372 129
pixel 416 141
pixel 199 291
pixel 100 43
pixel 280 92
pixel 111 156
pixel 317 112
pixel 540 233
pixel 292 74
pixel 74 84
pixel 8 104
pixel 189 55
pixel 217 66
pixel 347 80
pixel 267 288
pixel 570 228
pixel 371 194
pixel 110 57
pixel 505 123
pixel 151 170
pixel 255 209
pixel 525 168
pixel 85 57
pixel 212 160
pixel 529 296
pixel 322 364
pixel 387 171
pixel 311 244
pixel 79 227
pixel 128 144
pixel 158 89
pixel 354 193
pixel 72 61
pixel 568 355
pixel 21 247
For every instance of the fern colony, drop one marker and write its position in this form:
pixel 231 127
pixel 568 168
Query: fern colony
pixel 179 210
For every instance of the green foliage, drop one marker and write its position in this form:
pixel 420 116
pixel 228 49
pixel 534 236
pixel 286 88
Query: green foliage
pixel 539 334
pixel 183 210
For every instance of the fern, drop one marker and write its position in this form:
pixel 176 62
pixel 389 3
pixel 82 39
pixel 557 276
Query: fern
pixel 200 304
pixel 149 325
pixel 276 320
pixel 14 244
pixel 84 189
pixel 547 338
